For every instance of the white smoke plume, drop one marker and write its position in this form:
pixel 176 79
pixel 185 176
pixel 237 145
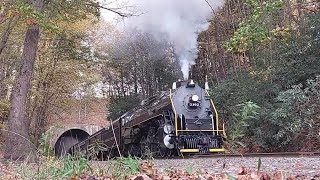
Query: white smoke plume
pixel 179 22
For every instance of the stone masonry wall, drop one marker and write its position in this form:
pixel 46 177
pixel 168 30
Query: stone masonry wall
pixel 92 112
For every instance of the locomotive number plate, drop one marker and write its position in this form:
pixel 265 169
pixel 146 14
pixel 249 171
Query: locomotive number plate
pixel 194 104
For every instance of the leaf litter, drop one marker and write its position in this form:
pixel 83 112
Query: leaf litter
pixel 147 171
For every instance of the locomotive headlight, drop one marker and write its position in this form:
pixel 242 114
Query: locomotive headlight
pixel 195 98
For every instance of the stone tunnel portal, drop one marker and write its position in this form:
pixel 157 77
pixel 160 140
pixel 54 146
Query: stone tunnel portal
pixel 67 140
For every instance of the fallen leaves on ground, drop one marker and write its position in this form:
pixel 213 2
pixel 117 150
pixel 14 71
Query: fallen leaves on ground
pixel 148 172
pixel 7 171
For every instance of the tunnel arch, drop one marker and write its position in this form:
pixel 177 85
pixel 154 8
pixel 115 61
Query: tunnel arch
pixel 67 139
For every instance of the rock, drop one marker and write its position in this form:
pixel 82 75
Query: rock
pixel 141 177
pixel 254 176
pixel 166 178
pixel 264 176
pixel 242 171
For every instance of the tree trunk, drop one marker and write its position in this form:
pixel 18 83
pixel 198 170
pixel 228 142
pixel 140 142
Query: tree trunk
pixel 135 78
pixel 18 145
pixel 6 33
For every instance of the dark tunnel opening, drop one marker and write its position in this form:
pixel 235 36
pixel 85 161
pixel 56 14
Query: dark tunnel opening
pixel 67 140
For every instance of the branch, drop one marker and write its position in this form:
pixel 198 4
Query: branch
pixel 3 14
pixel 111 10
pixel 210 6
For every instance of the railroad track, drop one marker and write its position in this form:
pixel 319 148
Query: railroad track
pixel 280 154
pixel 226 155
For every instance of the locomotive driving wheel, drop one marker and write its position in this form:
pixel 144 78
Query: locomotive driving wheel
pixel 143 146
pixel 161 151
pixel 133 149
pixel 161 148
pixel 150 144
pixel 147 148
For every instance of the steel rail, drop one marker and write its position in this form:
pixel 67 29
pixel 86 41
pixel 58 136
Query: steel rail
pixel 275 154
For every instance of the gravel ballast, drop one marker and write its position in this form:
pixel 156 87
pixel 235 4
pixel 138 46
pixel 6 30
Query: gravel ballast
pixel 293 166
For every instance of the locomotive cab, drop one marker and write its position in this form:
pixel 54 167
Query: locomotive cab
pixel 196 123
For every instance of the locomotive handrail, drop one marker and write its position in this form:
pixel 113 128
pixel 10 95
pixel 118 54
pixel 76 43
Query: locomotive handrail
pixel 215 110
pixel 175 113
pixel 200 130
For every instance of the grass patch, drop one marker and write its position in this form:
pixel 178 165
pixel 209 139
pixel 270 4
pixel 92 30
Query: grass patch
pixel 124 167
pixel 72 167
pixel 51 168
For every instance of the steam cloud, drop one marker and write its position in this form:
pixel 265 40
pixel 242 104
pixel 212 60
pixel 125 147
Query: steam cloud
pixel 179 22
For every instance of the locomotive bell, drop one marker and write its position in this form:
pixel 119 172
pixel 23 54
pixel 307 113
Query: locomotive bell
pixel 168 142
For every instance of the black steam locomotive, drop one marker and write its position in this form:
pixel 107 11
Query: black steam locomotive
pixel 182 120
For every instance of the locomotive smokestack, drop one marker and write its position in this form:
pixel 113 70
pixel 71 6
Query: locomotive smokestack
pixel 190 74
pixel 190 79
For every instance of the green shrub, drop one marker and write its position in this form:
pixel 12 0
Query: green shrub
pixel 297 115
pixel 45 147
pixel 4 110
pixel 248 112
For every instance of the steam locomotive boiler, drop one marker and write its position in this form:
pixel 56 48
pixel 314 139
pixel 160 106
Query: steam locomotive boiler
pixel 181 120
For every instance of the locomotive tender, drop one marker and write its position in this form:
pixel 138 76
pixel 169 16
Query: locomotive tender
pixel 182 120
